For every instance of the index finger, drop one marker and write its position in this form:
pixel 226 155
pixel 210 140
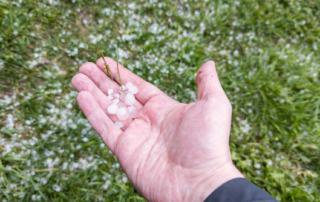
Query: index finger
pixel 146 89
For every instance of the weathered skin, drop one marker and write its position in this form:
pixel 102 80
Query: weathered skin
pixel 171 151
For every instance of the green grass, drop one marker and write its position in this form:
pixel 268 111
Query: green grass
pixel 266 53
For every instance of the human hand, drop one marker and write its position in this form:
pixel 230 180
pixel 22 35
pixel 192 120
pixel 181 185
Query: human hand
pixel 171 151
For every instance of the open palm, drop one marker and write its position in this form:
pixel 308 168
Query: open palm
pixel 171 151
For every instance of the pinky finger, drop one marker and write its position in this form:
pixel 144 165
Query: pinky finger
pixel 100 122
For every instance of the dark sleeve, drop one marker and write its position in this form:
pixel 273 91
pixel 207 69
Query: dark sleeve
pixel 239 190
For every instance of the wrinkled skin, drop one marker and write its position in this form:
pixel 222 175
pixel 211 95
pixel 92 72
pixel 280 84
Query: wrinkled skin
pixel 171 151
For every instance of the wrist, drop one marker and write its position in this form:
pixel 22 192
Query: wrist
pixel 212 181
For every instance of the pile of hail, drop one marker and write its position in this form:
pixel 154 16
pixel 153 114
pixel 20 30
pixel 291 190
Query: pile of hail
pixel 122 103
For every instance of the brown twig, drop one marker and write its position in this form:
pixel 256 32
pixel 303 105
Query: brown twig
pixel 107 69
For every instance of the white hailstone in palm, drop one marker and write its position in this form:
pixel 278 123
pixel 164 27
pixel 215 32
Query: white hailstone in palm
pixel 121 104
pixel 129 99
pixel 129 85
pixel 119 124
pixel 133 111
pixel 122 96
pixel 115 101
pixel 122 113
pixel 110 97
pixel 112 109
pixel 133 90
pixel 110 91
pixel 123 88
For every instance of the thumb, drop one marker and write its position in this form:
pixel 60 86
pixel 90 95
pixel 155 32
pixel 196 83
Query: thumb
pixel 207 81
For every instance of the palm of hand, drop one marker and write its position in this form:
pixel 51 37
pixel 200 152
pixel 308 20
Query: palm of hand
pixel 170 148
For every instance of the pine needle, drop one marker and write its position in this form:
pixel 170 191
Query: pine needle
pixel 119 72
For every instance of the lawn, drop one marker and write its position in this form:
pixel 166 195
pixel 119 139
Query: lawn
pixel 267 57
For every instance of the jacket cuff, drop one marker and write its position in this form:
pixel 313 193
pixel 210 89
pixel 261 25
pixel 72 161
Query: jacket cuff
pixel 239 190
